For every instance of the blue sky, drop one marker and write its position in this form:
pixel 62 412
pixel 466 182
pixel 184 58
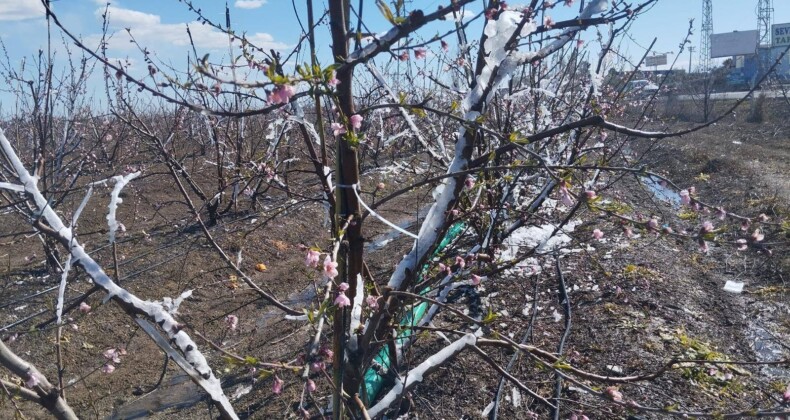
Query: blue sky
pixel 159 25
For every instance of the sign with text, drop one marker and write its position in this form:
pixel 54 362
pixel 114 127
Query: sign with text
pixel 780 35
pixel 656 60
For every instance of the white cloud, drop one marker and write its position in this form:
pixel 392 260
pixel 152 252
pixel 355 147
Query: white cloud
pixel 20 9
pixel 249 4
pixel 150 32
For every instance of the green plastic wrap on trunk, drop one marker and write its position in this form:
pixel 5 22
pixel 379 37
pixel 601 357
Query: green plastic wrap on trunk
pixel 373 380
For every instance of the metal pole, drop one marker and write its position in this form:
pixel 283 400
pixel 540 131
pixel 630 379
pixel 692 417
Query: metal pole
pixel 691 50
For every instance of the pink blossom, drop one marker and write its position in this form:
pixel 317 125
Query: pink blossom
pixel 84 307
pixel 628 232
pixel 597 234
pixel 445 46
pixel 281 94
pixel 32 380
pixel 721 213
pixel 685 198
pixel 614 394
pixel 356 121
pixel 231 322
pixel 786 395
pixel 707 227
pixel 310 386
pixel 330 268
pixel 703 246
pixel 327 352
pixel 569 3
pixel 590 195
pixel 579 43
pixel 338 129
pixel 380 186
pixel 317 366
pixel 548 22
pixel 565 197
pixel 469 183
pixel 652 224
pixel 763 217
pixel 113 355
pixel 419 53
pixel 342 286
pixel 311 259
pixel 404 56
pixel 342 300
pixel 372 301
pixel 460 261
pixel 742 244
pixel 333 80
pixel 442 267
pixel 277 386
pixel 108 368
pixel 476 279
pixel 757 236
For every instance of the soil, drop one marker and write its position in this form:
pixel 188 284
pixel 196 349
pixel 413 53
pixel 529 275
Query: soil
pixel 636 303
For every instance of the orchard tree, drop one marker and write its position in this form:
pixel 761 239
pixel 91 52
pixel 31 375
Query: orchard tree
pixel 514 133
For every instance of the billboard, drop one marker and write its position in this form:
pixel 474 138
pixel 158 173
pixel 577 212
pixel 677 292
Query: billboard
pixel 733 43
pixel 780 35
pixel 656 60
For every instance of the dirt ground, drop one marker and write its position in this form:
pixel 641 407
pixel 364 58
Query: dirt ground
pixel 635 303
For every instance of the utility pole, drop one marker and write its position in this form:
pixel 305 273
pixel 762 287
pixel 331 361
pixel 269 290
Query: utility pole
pixel 691 51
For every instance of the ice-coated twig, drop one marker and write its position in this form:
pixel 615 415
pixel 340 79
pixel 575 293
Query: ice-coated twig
pixel 11 187
pixel 84 202
pixel 416 375
pixel 356 314
pixel 120 182
pixel 127 300
pixel 62 289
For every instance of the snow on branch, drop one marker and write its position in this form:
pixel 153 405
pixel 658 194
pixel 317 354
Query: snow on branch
pixel 127 300
pixel 120 182
pixel 416 375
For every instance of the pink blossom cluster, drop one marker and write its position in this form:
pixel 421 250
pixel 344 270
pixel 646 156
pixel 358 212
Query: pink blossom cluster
pixel 112 355
pixel 281 94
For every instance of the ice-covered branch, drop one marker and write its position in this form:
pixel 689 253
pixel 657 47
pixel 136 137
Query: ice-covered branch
pixel 127 300
pixel 115 199
pixel 416 375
